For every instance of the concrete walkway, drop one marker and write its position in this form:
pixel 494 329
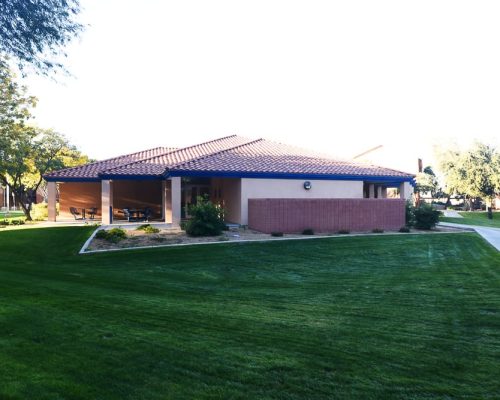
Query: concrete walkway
pixel 491 235
pixel 452 214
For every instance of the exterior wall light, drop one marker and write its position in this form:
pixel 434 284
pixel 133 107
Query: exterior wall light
pixel 307 185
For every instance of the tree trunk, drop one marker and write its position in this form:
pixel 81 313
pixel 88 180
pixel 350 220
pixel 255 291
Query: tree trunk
pixel 448 202
pixel 24 202
pixel 26 210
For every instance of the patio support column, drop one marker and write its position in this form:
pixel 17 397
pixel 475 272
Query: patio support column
pixel 107 202
pixel 379 192
pixel 167 201
pixel 384 193
pixel 51 200
pixel 175 190
pixel 164 200
pixel 402 194
pixel 371 191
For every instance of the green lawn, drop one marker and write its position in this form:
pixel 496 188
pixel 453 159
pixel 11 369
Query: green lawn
pixel 475 218
pixel 11 214
pixel 384 317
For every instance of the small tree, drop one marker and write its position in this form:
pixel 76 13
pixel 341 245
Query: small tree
pixel 207 218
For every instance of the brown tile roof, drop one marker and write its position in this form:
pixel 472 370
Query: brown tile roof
pixel 92 170
pixel 228 156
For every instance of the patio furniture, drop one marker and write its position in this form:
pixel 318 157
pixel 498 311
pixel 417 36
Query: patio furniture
pixel 147 214
pixel 92 212
pixel 78 216
pixel 126 212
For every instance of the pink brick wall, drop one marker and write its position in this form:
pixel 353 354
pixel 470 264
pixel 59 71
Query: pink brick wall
pixel 325 215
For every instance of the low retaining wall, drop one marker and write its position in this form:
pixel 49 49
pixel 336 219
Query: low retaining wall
pixel 325 215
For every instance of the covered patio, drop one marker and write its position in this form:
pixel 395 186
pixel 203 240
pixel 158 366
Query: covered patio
pixel 117 201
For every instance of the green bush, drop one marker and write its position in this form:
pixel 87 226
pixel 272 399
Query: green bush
pixel 308 232
pixel 377 230
pixel 207 218
pixel 404 229
pixel 426 217
pixel 113 235
pixel 147 228
pixel 40 212
pixel 344 231
pixel 277 234
pixel 409 214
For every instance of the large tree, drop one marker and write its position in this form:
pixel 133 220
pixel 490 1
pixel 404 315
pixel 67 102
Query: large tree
pixel 34 153
pixel 34 32
pixel 26 152
pixel 474 173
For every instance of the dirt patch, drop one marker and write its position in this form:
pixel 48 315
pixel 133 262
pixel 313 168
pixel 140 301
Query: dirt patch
pixel 137 238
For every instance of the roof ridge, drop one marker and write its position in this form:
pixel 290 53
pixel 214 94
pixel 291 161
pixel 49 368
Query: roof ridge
pixel 215 153
pixel 169 152
pixel 116 158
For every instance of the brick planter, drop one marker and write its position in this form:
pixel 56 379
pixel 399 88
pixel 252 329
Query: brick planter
pixel 325 215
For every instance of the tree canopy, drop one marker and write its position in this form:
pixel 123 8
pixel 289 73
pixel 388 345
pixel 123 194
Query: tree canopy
pixel 27 152
pixel 427 182
pixel 34 32
pixel 473 173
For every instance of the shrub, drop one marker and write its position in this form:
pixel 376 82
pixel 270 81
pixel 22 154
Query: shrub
pixel 16 221
pixel 344 231
pixel 377 230
pixel 113 235
pixel 147 228
pixel 409 214
pixel 404 229
pixel 40 212
pixel 207 219
pixel 308 232
pixel 426 217
pixel 277 234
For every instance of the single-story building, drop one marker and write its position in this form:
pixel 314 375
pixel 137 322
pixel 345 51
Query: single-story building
pixel 259 183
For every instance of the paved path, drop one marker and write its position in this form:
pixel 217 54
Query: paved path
pixel 491 235
pixel 452 214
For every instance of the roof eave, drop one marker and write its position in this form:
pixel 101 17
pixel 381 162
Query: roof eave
pixel 281 175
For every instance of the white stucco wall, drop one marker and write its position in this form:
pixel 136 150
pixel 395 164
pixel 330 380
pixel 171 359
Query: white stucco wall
pixel 294 189
pixel 408 191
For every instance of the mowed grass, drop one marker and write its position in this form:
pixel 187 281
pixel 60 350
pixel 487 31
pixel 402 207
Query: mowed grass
pixel 12 215
pixel 479 218
pixel 385 317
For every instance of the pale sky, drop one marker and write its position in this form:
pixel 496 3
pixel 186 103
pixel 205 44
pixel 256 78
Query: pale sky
pixel 334 76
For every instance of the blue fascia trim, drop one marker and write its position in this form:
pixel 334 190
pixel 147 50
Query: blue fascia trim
pixel 132 177
pixel 68 179
pixel 271 175
pixel 103 177
pixel 388 180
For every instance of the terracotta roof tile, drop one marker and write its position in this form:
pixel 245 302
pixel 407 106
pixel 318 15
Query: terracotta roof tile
pixel 92 170
pixel 232 155
pixel 264 156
